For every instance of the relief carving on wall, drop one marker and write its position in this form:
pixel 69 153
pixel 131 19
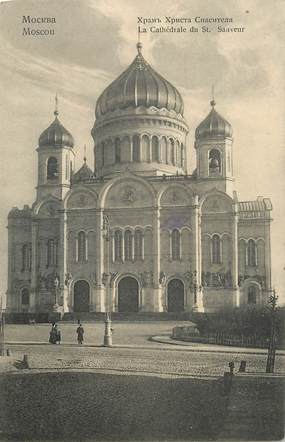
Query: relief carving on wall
pixel 162 278
pixel 147 279
pixel 128 195
pixel 217 279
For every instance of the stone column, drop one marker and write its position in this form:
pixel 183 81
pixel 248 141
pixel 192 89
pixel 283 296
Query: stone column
pixel 197 262
pixel 234 269
pixel 100 301
pixel 34 273
pixel 157 290
pixel 62 263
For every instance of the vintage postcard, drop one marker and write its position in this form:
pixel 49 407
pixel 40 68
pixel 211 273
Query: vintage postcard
pixel 142 220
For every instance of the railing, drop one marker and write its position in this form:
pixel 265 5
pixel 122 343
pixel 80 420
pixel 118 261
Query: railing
pixel 182 334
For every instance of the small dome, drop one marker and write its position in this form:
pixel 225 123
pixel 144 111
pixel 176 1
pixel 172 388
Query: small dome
pixel 139 85
pixel 214 125
pixel 84 173
pixel 56 135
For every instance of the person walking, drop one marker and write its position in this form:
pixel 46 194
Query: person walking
pixel 80 333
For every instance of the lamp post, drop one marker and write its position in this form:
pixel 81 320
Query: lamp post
pixel 2 331
pixel 272 343
pixel 106 282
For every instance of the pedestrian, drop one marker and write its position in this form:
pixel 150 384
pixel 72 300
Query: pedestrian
pixel 53 334
pixel 58 334
pixel 80 333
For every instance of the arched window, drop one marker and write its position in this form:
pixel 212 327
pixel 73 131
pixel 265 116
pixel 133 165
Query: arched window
pixel 117 150
pixel 145 145
pixel 163 146
pixel 251 296
pixel 82 247
pixel 251 253
pixel 136 148
pixel 52 168
pixel 51 253
pixel 25 297
pixel 138 245
pixel 214 162
pixel 27 257
pixel 216 249
pixel 118 245
pixel 175 245
pixel 155 149
pixel 128 245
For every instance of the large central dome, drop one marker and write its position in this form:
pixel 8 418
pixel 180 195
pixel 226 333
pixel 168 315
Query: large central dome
pixel 139 86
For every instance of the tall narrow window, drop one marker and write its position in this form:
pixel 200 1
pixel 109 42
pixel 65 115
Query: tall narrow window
pixel 25 297
pixel 51 252
pixel 214 162
pixel 216 249
pixel 182 156
pixel 175 245
pixel 251 253
pixel 52 168
pixel 128 245
pixel 117 150
pixel 82 247
pixel 27 257
pixel 251 297
pixel 66 167
pixel 136 148
pixel 138 245
pixel 155 149
pixel 118 245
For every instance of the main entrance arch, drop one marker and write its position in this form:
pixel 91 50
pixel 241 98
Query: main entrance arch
pixel 81 296
pixel 128 295
pixel 175 296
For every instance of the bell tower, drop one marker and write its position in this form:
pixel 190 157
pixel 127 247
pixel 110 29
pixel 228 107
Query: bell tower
pixel 55 159
pixel 213 144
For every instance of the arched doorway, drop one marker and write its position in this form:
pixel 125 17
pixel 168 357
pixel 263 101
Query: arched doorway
pixel 81 296
pixel 128 295
pixel 175 296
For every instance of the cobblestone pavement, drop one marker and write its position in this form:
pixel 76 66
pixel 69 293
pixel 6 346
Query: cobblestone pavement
pixel 138 360
pixel 154 357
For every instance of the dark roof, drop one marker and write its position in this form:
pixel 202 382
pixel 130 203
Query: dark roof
pixel 139 85
pixel 56 135
pixel 214 125
pixel 84 173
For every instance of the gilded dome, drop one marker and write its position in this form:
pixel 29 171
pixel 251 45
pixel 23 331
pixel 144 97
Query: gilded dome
pixel 214 125
pixel 139 85
pixel 56 135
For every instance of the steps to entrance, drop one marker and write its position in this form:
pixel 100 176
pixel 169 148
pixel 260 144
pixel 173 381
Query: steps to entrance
pixel 131 316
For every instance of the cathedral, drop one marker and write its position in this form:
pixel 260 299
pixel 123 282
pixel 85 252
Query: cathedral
pixel 137 232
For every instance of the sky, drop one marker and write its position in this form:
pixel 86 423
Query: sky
pixel 95 40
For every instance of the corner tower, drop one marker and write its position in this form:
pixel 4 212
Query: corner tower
pixel 55 160
pixel 213 143
pixel 140 124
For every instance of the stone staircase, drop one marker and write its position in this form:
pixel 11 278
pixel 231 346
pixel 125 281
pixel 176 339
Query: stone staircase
pixel 254 408
pixel 128 316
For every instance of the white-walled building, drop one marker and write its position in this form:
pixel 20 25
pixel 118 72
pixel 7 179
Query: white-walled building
pixel 170 241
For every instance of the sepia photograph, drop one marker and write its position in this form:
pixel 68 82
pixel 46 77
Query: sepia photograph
pixel 142 250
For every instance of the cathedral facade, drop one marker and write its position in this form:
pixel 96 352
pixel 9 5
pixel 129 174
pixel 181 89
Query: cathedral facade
pixel 138 233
